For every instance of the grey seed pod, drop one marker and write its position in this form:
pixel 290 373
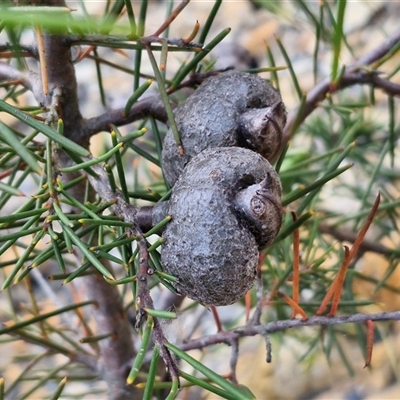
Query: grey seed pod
pixel 212 243
pixel 230 109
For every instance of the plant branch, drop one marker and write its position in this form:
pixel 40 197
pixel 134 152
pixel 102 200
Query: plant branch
pixel 9 51
pixel 145 301
pixel 8 72
pixel 344 235
pixel 370 78
pixel 28 79
pixel 116 351
pixel 277 326
pixel 128 213
pixel 380 51
pixel 352 75
pixel 149 107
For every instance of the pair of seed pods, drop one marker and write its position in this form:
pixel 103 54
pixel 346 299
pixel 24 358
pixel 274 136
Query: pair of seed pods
pixel 226 198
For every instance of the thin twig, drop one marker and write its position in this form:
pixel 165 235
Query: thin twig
pixel 145 301
pixel 339 282
pixel 10 73
pixel 268 347
pixel 352 75
pixel 335 289
pixel 171 17
pixel 344 235
pixel 256 317
pixel 296 265
pixel 234 359
pixel 216 318
pixel 379 51
pixel 277 326
pixel 364 229
pixel 294 305
pixel 151 106
pixel 370 342
pixel 116 351
pixel 128 212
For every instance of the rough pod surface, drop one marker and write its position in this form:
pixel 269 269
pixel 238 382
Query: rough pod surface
pixel 230 109
pixel 224 207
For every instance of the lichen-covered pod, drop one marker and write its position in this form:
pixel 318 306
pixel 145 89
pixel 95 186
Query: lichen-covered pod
pixel 230 109
pixel 212 243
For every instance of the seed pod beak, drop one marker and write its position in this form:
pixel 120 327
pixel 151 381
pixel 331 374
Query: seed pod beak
pixel 261 128
pixel 259 205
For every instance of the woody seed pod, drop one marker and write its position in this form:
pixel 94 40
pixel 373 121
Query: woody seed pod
pixel 230 109
pixel 224 207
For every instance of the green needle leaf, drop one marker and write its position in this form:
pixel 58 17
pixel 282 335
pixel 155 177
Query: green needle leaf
pixel 337 40
pixel 87 253
pixel 160 313
pixel 197 58
pixel 315 185
pixel 219 380
pixel 290 66
pixel 286 231
pixel 159 226
pixel 10 138
pixel 205 385
pixel 164 97
pixel 93 161
pixel 41 317
pixel 136 94
pixel 209 21
pixel 174 389
pixel 141 353
pixel 56 395
pixel 10 278
pixel 46 130
pixel 147 394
